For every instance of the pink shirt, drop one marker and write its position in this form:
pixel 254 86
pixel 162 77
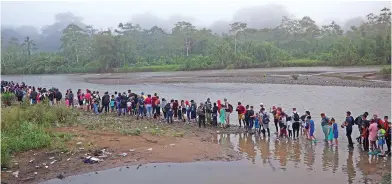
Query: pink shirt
pixel 373 132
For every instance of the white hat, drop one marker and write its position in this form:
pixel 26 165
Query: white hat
pixel 261 104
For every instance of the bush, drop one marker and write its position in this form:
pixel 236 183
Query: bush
pixel 294 76
pixel 27 127
pixel 7 98
pixel 386 70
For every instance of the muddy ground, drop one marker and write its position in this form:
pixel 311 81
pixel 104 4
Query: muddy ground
pixel 157 142
pixel 349 79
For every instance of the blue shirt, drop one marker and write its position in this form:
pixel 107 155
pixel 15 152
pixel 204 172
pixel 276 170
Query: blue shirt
pixel 350 123
pixel 311 124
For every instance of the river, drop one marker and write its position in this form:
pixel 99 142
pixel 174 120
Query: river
pixel 264 160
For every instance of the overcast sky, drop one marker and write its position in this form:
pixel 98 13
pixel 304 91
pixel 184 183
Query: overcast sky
pixel 109 13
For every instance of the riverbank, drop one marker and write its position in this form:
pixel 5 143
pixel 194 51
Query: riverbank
pixel 126 142
pixel 347 78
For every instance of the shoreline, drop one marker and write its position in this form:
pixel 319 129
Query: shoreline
pixel 174 143
pixel 345 79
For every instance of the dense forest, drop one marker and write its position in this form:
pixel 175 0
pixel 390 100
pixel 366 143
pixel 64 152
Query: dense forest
pixel 295 42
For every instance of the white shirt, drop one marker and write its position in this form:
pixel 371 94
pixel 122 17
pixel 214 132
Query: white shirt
pixel 129 104
pixel 289 125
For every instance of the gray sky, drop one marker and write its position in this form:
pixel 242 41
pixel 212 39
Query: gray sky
pixel 103 14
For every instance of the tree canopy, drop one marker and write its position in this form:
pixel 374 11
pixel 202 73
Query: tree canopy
pixel 79 47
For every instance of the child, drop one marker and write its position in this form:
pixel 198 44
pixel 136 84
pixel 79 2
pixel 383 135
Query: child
pixel 112 103
pixel 283 125
pixel 373 130
pixel 335 131
pixel 129 107
pixel 381 140
pixel 257 122
pixel 311 129
pixel 289 126
pixel 330 131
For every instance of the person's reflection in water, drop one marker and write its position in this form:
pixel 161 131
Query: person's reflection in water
pixel 277 149
pixel 309 155
pixel 350 167
pixel 264 148
pixel 297 153
pixel 241 143
pixel 335 164
pixel 283 154
pixel 327 157
pixel 250 148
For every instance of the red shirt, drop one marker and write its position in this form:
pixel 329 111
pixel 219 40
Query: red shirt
pixel 154 99
pixel 88 96
pixel 385 126
pixel 148 100
pixel 241 109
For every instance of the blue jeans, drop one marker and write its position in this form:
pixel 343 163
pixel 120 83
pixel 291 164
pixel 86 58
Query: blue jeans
pixel 140 112
pixel 96 108
pixel 149 110
pixel 121 110
pixel 169 118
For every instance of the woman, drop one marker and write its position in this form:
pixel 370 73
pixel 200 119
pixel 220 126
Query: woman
pixel 325 126
pixel 222 116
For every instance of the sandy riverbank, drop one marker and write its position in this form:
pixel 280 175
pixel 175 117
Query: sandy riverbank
pixel 321 78
pixel 168 143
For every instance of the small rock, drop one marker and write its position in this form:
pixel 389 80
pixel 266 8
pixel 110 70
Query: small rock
pixel 16 163
pixel 60 176
pixel 217 131
pixel 35 173
pixel 68 159
pixel 79 143
pixel 51 158
pixel 81 148
pixel 132 150
pixel 16 174
pixel 31 161
pixel 37 166
pixel 123 154
pixel 145 127
pixel 53 162
pixel 149 149
pixel 172 144
pixel 46 166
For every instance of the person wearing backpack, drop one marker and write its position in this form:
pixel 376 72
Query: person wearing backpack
pixel 265 121
pixel 140 102
pixel 105 101
pixel 193 110
pixel 122 107
pixel 169 112
pixel 349 122
pixel 358 122
pixel 208 107
pixel 296 123
pixel 229 110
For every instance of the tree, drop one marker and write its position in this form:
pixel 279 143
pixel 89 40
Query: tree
pixel 235 29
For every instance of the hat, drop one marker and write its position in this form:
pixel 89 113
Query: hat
pixel 261 104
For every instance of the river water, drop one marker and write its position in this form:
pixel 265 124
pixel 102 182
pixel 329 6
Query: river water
pixel 264 160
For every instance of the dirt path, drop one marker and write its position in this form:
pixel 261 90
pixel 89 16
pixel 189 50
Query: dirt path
pixel 178 143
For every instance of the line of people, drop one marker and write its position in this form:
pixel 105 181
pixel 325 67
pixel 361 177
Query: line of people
pixel 374 132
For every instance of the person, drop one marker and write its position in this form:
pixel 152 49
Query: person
pixel 265 121
pixel 380 140
pixel 257 122
pixel 283 125
pixel 274 112
pixel 140 102
pixel 330 132
pixel 229 110
pixel 208 108
pixel 349 127
pixel 202 115
pixel 290 126
pixel 311 129
pixel 33 96
pixel 71 98
pixel 58 95
pixel 169 111
pixel 188 111
pixel 358 122
pixel 105 101
pixel 251 116
pixel 157 107
pixel 241 112
pixel 335 130
pixel 325 126
pixel 112 103
pixel 373 130
pixel 215 115
pixel 88 100
pixel 246 123
pixel 129 107
pixel 183 111
pixel 365 132
pixel 148 104
pixel 164 103
pixel 387 128
pixel 222 116
pixel 296 123
pixel 154 104
pixel 193 110
pixel 179 108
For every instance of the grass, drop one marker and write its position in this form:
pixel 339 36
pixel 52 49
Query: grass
pixel 151 68
pixel 26 127
pixel 386 179
pixel 386 70
pixel 294 76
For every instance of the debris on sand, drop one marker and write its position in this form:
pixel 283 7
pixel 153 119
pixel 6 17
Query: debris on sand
pixel 138 166
pixel 60 176
pixel 79 143
pixel 16 174
pixel 123 154
pixel 132 150
pixel 172 144
pixel 53 162
pixel 31 161
pixel 92 160
pixel 149 149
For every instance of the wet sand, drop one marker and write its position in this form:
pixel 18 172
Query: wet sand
pixel 347 78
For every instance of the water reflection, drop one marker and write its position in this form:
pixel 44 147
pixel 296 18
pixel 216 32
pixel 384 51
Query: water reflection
pixel 290 155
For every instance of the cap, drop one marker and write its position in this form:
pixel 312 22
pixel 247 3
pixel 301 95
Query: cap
pixel 261 104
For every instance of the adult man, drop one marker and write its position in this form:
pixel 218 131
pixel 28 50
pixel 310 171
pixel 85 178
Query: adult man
pixel 208 109
pixel 202 115
pixel 228 109
pixel 265 121
pixel 387 128
pixel 349 127
pixel 325 126
pixel 296 122
pixel 358 121
pixel 241 112
pixel 251 115
pixel 105 102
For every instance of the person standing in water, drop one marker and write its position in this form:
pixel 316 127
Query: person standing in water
pixel 208 108
pixel 241 112
pixel 202 115
pixel 222 116
pixel 349 127
pixel 311 129
pixel 325 126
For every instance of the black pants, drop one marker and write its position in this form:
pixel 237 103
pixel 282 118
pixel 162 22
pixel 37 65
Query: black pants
pixel 268 131
pixel 359 138
pixel 202 119
pixel 158 111
pixel 106 107
pixel 215 119
pixel 290 133
pixel 295 129
pixel 388 141
pixel 276 121
pixel 366 143
pixel 348 134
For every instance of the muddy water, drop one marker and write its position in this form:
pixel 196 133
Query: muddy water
pixel 265 160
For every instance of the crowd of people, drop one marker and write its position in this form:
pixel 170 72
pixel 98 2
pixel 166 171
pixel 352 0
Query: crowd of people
pixel 374 133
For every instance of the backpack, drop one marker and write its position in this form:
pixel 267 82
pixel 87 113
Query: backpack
pixel 106 99
pixel 141 102
pixel 123 101
pixel 167 107
pixel 357 120
pixel 193 107
pixel 230 108
pixel 266 118
pixel 296 117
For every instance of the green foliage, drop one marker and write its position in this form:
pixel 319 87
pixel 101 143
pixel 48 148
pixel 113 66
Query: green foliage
pixel 133 132
pixel 386 70
pixel 27 127
pixel 7 98
pixel 129 48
